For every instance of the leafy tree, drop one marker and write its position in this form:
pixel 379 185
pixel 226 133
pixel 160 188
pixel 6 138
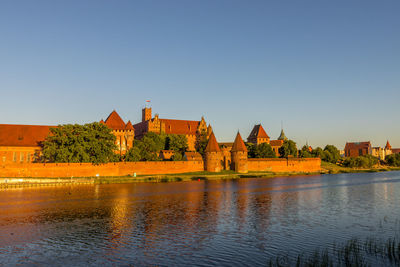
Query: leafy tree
pixel 201 142
pixel 288 149
pixel 264 150
pixel 393 160
pixel 251 150
pixel 133 154
pixel 177 156
pixel 331 154
pixel 318 152
pixel 149 146
pixel 366 161
pixel 305 153
pixel 178 143
pixel 93 142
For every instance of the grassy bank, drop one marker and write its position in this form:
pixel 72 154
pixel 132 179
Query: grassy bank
pixel 192 176
pixel 334 169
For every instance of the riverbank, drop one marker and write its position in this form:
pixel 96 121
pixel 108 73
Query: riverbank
pixel 191 176
pixel 330 168
pixel 326 168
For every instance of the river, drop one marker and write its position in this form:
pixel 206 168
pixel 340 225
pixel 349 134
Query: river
pixel 204 223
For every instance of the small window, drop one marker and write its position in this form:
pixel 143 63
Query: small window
pixel 28 157
pixel 21 156
pixel 4 158
pixel 15 156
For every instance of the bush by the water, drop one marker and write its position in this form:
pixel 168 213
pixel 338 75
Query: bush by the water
pixel 366 161
pixel 393 160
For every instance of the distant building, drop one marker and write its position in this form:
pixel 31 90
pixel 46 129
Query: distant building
pixel 192 156
pixel 191 129
pixel 22 143
pixel 166 154
pixel 378 152
pixel 355 149
pixel 258 135
pixel 124 133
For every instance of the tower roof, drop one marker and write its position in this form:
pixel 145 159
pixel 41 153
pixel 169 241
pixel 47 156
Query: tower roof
pixel 258 132
pixel 282 136
pixel 212 145
pixel 238 145
pixel 388 146
pixel 115 122
pixel 129 126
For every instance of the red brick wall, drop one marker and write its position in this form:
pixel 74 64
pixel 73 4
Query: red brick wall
pixel 87 169
pixel 285 165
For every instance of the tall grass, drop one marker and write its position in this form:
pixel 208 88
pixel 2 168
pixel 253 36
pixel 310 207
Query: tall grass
pixel 354 252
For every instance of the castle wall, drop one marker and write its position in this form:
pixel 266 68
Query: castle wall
pixel 87 169
pixel 285 165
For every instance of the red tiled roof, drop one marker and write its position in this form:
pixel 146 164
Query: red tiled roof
pixel 276 142
pixel 357 145
pixel 180 126
pixel 23 135
pixel 258 132
pixel 212 145
pixel 115 122
pixel 238 145
pixel 129 126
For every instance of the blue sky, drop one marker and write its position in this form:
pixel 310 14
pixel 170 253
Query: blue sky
pixel 330 70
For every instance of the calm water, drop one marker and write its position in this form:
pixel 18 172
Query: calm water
pixel 236 222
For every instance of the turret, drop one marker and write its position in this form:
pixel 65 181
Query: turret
pixel 213 155
pixel 146 114
pixel 282 136
pixel 239 155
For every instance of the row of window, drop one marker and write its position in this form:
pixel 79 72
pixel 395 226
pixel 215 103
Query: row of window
pixel 20 157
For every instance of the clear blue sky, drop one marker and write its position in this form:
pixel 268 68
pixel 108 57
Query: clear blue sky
pixel 330 70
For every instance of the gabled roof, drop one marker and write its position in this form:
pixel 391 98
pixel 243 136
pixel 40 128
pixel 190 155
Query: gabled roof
pixel 129 126
pixel 115 122
pixel 180 126
pixel 258 132
pixel 190 156
pixel 212 145
pixel 357 145
pixel 239 145
pixel 23 135
pixel 388 146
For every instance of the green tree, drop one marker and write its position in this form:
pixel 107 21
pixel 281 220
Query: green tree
pixel 393 160
pixel 93 142
pixel 305 153
pixel 149 146
pixel 251 150
pixel 201 142
pixel 178 143
pixel 288 149
pixel 133 154
pixel 334 154
pixel 318 152
pixel 264 150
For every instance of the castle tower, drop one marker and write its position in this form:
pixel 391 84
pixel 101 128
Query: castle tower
pixel 146 114
pixel 388 149
pixel 213 155
pixel 239 155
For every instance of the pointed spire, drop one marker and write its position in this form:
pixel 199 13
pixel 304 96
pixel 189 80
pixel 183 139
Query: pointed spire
pixel 129 126
pixel 282 136
pixel 388 146
pixel 212 145
pixel 102 122
pixel 238 145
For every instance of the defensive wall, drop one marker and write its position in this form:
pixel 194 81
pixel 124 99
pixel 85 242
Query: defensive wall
pixel 285 165
pixel 24 170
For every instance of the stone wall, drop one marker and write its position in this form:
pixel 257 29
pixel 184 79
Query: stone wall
pixel 88 169
pixel 285 165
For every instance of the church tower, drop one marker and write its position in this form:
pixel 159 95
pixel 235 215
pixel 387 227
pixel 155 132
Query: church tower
pixel 239 155
pixel 213 155
pixel 146 114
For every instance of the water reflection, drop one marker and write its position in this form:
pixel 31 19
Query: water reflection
pixel 224 222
